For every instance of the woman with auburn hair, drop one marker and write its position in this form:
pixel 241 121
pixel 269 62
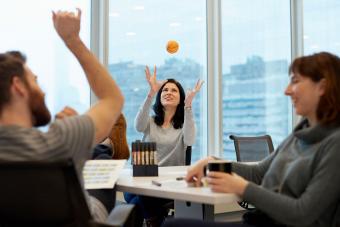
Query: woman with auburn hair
pixel 299 183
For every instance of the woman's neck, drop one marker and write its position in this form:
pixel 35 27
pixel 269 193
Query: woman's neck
pixel 312 120
pixel 169 113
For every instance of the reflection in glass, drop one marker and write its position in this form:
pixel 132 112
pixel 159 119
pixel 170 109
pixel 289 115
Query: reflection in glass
pixel 255 55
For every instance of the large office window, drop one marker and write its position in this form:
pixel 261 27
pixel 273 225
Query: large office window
pixel 321 26
pixel 138 34
pixel 256 53
pixel 28 27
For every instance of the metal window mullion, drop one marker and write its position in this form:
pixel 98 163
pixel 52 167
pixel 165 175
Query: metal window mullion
pixel 296 14
pixel 214 64
pixel 99 33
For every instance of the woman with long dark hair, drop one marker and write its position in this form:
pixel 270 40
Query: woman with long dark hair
pixel 172 127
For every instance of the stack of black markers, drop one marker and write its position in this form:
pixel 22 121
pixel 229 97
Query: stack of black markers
pixel 144 158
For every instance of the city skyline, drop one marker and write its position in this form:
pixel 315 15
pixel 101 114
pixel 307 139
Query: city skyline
pixel 246 111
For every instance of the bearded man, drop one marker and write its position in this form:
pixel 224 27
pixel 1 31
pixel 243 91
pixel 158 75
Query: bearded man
pixel 22 108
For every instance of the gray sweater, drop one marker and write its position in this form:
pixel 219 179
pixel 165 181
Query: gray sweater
pixel 171 142
pixel 299 183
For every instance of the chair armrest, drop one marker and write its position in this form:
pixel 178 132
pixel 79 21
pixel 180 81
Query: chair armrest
pixel 122 215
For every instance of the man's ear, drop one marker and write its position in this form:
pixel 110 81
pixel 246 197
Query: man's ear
pixel 19 87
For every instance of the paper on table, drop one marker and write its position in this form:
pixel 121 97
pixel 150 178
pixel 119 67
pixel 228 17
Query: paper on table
pixel 99 174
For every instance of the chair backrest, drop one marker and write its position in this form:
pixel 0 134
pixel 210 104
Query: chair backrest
pixel 42 194
pixel 188 156
pixel 251 149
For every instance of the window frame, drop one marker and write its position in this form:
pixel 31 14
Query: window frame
pixel 213 136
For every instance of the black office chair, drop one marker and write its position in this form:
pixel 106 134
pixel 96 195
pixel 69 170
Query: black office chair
pixel 48 194
pixel 252 149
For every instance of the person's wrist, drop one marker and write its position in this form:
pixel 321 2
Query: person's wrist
pixel 72 41
pixel 242 187
pixel 151 94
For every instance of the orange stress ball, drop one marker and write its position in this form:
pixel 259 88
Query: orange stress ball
pixel 172 46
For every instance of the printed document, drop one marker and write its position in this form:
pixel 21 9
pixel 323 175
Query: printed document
pixel 101 174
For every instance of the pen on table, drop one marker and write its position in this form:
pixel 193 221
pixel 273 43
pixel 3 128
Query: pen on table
pixel 180 178
pixel 156 183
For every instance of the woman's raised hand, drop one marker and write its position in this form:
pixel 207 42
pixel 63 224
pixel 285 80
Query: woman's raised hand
pixel 152 80
pixel 192 92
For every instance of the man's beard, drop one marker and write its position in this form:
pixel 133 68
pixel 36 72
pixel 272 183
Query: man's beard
pixel 41 116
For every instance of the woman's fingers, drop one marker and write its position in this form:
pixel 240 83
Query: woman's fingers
pixel 151 78
pixel 147 73
pixel 154 71
pixel 198 85
pixel 227 183
pixel 218 181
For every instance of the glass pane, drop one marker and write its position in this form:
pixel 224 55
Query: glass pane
pixel 321 26
pixel 256 55
pixel 30 29
pixel 138 34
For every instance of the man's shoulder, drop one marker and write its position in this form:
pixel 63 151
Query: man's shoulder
pixel 9 131
pixel 19 143
pixel 56 130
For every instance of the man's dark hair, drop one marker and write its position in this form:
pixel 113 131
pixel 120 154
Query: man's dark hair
pixel 11 64
pixel 178 119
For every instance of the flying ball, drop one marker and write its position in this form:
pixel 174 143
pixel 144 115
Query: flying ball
pixel 172 46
